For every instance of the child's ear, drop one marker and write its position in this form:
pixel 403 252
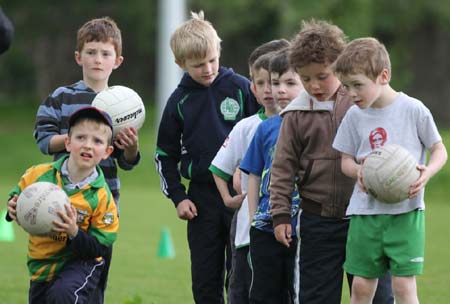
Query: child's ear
pixel 385 76
pixel 108 152
pixel 67 143
pixel 118 62
pixel 180 63
pixel 77 56
pixel 252 88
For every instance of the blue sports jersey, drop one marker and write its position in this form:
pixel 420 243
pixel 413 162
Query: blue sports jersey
pixel 258 161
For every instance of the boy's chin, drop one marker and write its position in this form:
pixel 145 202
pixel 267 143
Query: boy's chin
pixel 208 82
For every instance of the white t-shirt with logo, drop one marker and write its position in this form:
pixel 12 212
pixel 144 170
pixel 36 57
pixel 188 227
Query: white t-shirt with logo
pixel 405 122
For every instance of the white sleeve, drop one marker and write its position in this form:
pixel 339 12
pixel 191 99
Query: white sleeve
pixel 230 153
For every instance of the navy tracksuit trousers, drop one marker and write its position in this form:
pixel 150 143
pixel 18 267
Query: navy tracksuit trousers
pixel 209 243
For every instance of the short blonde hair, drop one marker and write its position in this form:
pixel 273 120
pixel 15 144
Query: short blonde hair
pixel 194 38
pixel 317 42
pixel 366 55
pixel 102 30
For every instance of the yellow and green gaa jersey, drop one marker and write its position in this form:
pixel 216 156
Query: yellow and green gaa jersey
pixel 96 218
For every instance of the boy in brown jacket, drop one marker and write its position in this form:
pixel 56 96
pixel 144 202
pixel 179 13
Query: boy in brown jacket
pixel 304 149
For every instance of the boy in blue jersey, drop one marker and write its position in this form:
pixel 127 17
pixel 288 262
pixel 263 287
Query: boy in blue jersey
pixel 383 236
pixel 66 267
pixel 224 167
pixel 272 264
pixel 98 52
pixel 198 116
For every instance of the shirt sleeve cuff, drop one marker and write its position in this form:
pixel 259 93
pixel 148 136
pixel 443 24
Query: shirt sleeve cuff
pixel 178 197
pixel 281 219
pixel 125 165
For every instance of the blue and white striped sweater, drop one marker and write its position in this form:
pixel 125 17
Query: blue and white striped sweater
pixel 52 119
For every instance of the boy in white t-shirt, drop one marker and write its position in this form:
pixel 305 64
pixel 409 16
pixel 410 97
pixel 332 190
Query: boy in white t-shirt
pixel 226 162
pixel 383 236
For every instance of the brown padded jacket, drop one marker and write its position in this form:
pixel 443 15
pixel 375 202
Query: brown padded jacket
pixel 304 153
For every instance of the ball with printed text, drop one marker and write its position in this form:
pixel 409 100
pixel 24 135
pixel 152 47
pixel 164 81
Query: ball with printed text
pixel 124 105
pixel 37 207
pixel 388 172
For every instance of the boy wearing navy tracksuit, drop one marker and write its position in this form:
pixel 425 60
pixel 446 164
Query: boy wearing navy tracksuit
pixel 197 118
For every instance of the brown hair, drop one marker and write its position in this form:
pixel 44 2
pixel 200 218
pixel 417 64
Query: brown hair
pixel 102 30
pixel 279 63
pixel 270 46
pixel 317 42
pixel 363 55
pixel 262 62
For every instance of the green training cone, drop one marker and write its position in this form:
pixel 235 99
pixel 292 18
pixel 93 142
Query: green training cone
pixel 6 229
pixel 165 248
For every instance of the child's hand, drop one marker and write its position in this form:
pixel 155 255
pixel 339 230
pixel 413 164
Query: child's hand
pixel 69 223
pixel 186 210
pixel 283 234
pixel 127 139
pixel 360 180
pixel 237 182
pixel 235 202
pixel 12 205
pixel 421 182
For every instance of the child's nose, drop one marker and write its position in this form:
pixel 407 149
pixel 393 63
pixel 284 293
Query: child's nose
pixel 98 57
pixel 315 85
pixel 351 92
pixel 88 143
pixel 208 67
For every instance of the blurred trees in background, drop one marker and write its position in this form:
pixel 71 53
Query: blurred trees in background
pixel 415 32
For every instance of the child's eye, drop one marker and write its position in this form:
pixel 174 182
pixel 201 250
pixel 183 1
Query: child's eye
pixel 322 77
pixel 305 79
pixel 99 141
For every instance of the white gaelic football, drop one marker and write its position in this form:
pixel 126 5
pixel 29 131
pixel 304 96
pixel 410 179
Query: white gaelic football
pixel 37 206
pixel 124 106
pixel 388 173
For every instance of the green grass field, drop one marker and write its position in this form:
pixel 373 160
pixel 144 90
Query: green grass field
pixel 137 274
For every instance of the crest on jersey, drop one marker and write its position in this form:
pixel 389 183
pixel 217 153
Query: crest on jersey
pixel 229 108
pixel 108 218
pixel 81 216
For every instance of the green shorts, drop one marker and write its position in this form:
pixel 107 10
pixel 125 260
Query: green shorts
pixel 377 243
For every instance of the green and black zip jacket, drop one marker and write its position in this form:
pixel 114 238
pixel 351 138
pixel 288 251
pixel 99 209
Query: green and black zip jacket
pixel 194 124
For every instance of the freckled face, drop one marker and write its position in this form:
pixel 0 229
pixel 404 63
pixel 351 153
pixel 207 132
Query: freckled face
pixel 319 81
pixel 88 144
pixel 285 87
pixel 363 91
pixel 203 70
pixel 262 90
pixel 98 60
